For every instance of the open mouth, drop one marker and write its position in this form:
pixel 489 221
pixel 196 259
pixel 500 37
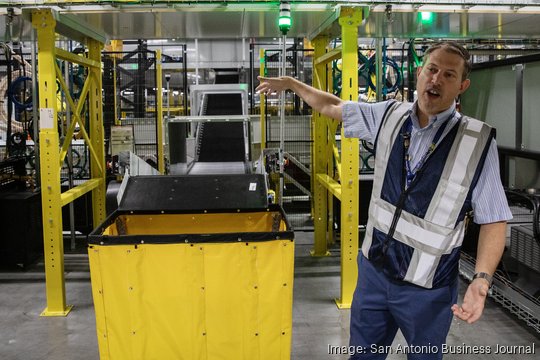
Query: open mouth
pixel 433 94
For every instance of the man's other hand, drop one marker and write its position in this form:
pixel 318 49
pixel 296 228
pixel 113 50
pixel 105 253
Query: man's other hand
pixel 473 301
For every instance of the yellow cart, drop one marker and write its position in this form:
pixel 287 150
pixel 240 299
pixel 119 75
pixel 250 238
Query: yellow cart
pixel 205 283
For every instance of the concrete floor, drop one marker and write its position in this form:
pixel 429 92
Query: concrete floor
pixel 317 323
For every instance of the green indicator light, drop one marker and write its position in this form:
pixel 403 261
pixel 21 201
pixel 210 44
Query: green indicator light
pixel 284 20
pixel 427 17
pixel 284 23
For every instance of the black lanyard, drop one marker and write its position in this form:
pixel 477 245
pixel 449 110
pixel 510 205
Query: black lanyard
pixel 411 173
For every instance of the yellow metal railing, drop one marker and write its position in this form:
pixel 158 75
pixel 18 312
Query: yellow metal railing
pixel 319 158
pixel 52 154
pixel 346 162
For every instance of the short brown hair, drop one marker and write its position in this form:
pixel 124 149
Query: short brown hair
pixel 454 48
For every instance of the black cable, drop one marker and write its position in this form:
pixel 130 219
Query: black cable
pixel 24 103
pixel 7 54
pixel 402 74
pixel 18 50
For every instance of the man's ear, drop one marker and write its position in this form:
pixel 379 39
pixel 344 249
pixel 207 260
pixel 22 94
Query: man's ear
pixel 418 71
pixel 464 85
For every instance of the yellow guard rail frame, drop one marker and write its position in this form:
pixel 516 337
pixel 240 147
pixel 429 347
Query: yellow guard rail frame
pixel 52 153
pixel 346 163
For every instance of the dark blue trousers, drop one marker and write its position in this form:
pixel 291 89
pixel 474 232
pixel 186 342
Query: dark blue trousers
pixel 380 306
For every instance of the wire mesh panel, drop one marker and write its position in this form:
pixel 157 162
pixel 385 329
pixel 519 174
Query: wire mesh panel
pixel 297 133
pixel 298 65
pixel 10 174
pixel 145 135
pixel 297 136
pixel 524 247
pixel 15 98
pixel 129 84
pixel 525 209
pixel 80 155
pixel 524 228
pixel 16 110
pixel 510 296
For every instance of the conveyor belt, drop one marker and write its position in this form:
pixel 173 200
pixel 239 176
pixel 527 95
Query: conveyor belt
pixel 207 168
pixel 222 141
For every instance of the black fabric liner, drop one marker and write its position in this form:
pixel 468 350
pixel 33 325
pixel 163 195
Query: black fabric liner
pixel 96 237
pixel 191 238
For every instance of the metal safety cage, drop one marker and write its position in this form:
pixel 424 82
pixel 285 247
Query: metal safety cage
pixel 131 98
pixel 298 140
pixel 17 126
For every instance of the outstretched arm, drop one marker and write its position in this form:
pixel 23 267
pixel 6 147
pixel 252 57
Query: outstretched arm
pixel 323 102
pixel 490 248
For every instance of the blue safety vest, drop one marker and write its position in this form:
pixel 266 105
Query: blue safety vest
pixel 415 233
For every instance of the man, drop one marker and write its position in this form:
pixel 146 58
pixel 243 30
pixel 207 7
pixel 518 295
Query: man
pixel 433 166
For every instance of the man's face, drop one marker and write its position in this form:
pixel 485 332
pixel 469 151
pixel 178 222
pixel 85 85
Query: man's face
pixel 439 81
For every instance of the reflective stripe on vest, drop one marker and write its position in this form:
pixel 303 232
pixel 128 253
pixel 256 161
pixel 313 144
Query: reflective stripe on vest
pixel 458 173
pixel 439 232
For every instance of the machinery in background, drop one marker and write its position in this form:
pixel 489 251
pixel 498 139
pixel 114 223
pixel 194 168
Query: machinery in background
pixel 122 141
pixel 516 282
pixel 516 286
pixel 21 242
pixel 17 126
pixel 215 139
pixel 297 179
pixel 130 100
pixel 293 134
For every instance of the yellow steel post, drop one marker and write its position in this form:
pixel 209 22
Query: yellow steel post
pixel 159 113
pixel 319 158
pixel 349 20
pixel 49 153
pixel 331 132
pixel 97 166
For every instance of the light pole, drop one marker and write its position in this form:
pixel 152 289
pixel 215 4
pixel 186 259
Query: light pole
pixel 284 24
